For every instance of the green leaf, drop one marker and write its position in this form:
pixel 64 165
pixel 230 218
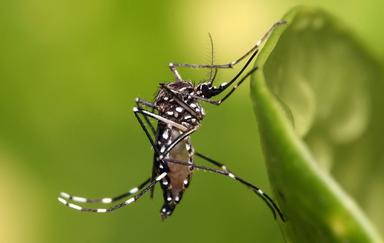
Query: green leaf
pixel 313 100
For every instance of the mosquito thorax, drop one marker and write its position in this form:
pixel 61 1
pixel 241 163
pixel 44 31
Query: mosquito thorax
pixel 179 106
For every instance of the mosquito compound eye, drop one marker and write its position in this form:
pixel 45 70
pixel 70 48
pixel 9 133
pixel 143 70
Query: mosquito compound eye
pixel 205 90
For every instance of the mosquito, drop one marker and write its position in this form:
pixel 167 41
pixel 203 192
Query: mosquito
pixel 178 112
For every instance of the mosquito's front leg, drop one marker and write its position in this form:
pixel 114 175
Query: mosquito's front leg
pixel 174 71
pixel 178 139
pixel 218 102
pixel 208 91
pixel 160 118
pixel 222 87
pixel 233 63
pixel 140 102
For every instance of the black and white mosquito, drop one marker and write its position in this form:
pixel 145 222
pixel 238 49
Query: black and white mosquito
pixel 178 113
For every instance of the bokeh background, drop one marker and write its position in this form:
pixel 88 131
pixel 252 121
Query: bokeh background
pixel 69 73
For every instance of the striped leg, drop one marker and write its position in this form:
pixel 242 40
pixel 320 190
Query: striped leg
pixel 214 162
pixel 219 102
pixel 177 140
pixel 254 49
pixel 105 200
pixel 185 131
pixel 151 139
pixel 117 206
pixel 268 200
pixel 160 118
pixel 139 103
pixel 214 91
pixel 164 150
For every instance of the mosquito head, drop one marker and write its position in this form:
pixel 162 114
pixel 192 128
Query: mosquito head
pixel 206 90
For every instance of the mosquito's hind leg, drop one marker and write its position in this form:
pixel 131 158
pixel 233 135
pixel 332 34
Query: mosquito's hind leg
pixel 105 200
pixel 267 200
pixel 117 206
pixel 212 161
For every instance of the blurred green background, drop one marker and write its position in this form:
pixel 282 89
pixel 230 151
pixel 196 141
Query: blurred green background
pixel 69 73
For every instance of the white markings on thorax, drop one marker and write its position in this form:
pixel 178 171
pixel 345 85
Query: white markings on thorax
pixel 179 109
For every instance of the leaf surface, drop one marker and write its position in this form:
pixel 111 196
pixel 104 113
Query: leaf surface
pixel 312 99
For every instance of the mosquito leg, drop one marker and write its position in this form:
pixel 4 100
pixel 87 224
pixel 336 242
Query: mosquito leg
pixel 145 129
pixel 180 138
pixel 185 131
pixel 160 154
pixel 216 91
pixel 175 72
pixel 105 200
pixel 117 206
pixel 252 52
pixel 233 63
pixel 155 148
pixel 160 118
pixel 229 173
pixel 138 111
pixel 218 102
pixel 155 165
pixel 214 162
pixel 268 200
pixel 236 85
pixel 140 102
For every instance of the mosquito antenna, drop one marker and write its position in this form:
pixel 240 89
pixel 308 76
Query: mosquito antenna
pixel 213 71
